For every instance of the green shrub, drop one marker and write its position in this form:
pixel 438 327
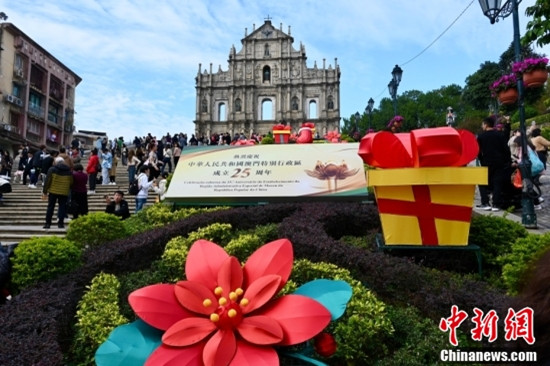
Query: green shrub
pixel 39 259
pixel 267 140
pixel 495 236
pixel 247 241
pixel 267 232
pixel 364 329
pixel 243 246
pixel 417 340
pixel 176 250
pixel 160 214
pixel 97 315
pixel 517 263
pixel 136 280
pixel 96 228
pixel 173 258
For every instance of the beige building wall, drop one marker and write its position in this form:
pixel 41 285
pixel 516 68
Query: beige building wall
pixel 37 93
pixel 267 82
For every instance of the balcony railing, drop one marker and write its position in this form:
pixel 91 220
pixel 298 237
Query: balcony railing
pixel 37 112
pixel 9 128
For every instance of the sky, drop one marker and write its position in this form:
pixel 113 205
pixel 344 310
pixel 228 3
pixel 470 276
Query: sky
pixel 138 59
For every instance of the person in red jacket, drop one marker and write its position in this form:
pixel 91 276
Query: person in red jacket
pixel 91 169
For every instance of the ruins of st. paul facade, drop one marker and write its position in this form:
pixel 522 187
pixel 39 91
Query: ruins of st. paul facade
pixel 267 82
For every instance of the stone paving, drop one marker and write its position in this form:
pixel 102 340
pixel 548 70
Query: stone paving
pixel 543 215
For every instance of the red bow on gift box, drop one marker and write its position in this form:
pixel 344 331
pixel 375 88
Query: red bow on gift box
pixel 429 147
pixel 308 124
pixel 280 126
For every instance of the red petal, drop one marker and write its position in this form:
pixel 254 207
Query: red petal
pixel 300 317
pixel 157 306
pixel 230 276
pixel 250 355
pixel 260 330
pixel 169 356
pixel 272 258
pixel 203 263
pixel 220 349
pixel 261 291
pixel 188 331
pixel 191 296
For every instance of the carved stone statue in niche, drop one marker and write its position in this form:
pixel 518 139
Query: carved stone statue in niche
pixel 239 72
pixel 295 69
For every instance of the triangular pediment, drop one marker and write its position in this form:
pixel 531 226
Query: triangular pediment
pixel 265 32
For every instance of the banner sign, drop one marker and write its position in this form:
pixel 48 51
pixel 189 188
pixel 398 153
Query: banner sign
pixel 268 173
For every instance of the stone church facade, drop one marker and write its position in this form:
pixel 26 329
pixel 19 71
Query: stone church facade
pixel 267 82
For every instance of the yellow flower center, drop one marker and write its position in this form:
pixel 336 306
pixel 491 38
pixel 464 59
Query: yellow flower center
pixel 228 313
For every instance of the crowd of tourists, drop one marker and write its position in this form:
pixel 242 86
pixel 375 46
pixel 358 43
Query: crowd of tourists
pixel 67 183
pixel 501 151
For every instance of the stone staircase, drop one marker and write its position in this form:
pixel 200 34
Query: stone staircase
pixel 23 212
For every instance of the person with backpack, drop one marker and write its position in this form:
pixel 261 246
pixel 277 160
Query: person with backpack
pixel 144 185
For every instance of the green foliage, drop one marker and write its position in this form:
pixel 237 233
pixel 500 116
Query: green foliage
pixel 173 258
pixel 530 112
pixel 97 315
pixel 494 235
pixel 159 215
pixel 518 261
pixel 176 250
pixel 363 331
pixel 244 245
pixel 417 340
pixel 40 259
pixel 136 280
pixel 476 92
pixel 267 140
pixel 246 242
pixel 96 228
pixel 538 28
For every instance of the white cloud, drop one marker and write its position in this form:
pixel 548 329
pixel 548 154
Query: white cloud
pixel 138 59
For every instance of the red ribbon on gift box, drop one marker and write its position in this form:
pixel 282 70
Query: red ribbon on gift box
pixel 428 147
pixel 426 211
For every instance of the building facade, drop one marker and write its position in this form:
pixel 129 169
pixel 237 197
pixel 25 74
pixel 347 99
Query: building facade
pixel 37 94
pixel 267 82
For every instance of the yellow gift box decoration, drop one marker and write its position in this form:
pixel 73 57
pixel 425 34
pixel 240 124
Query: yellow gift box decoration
pixel 422 203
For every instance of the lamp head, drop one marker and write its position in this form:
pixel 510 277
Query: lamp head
pixel 392 88
pixel 370 104
pixel 397 73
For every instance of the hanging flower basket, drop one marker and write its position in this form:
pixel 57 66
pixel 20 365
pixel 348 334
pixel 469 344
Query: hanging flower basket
pixel 508 96
pixel 534 71
pixel 503 85
pixel 535 78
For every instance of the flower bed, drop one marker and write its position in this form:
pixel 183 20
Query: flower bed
pixel 37 326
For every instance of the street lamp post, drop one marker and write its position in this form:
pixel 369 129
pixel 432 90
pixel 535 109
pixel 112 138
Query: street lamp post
pixel 396 74
pixel 493 10
pixel 368 110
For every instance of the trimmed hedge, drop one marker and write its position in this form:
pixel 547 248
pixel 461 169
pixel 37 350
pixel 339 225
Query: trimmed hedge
pixel 37 325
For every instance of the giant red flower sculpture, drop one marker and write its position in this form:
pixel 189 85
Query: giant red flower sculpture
pixel 225 314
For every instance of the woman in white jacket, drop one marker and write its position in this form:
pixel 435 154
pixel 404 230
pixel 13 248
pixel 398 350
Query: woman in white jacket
pixel 144 185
